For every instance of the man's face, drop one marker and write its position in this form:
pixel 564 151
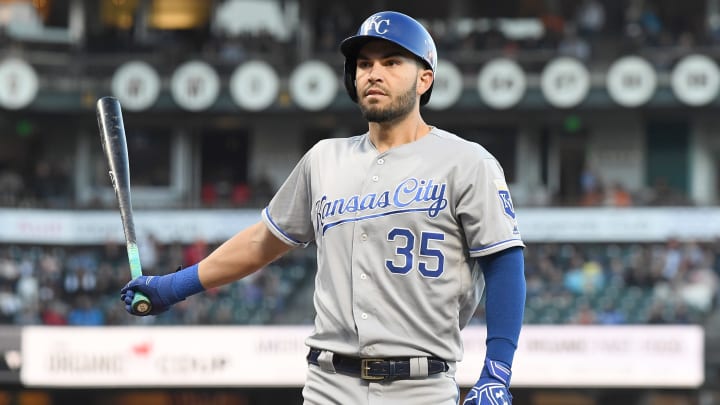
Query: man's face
pixel 387 81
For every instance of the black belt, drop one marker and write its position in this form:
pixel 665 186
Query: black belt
pixel 377 369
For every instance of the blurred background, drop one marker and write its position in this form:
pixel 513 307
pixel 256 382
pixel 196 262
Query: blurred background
pixel 602 113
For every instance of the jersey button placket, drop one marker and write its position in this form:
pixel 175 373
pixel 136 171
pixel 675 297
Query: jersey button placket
pixel 361 306
pixel 380 162
pixel 363 276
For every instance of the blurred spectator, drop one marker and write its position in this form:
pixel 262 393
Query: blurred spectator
pixel 657 314
pixel 50 265
pixel 9 304
pixel 672 260
pixel 148 247
pixel 680 313
pixel 251 291
pixel 535 285
pixel 652 26
pixel 241 195
pixel 9 269
pixel 332 25
pixel 590 18
pixel 54 313
pixel 591 187
pixel 11 187
pixel 262 190
pixel 28 315
pixel 85 313
pixel 662 194
pixel 610 315
pixel 108 278
pixel 208 195
pixel 554 24
pixel 713 26
pixel 223 190
pixel 593 197
pixel 573 45
pixel 618 196
pixel 585 315
pixel 27 286
pixel 232 50
pixel 638 276
pixel 616 271
pixel 195 252
pixel 114 255
pixel 43 184
pixel 699 285
pixel 584 276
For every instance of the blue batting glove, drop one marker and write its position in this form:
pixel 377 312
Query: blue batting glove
pixel 492 387
pixel 162 291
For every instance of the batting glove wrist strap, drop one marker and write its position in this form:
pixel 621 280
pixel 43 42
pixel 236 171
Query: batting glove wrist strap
pixel 175 287
pixel 497 370
pixel 186 282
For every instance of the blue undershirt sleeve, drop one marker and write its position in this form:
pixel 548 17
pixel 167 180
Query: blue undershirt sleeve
pixel 504 301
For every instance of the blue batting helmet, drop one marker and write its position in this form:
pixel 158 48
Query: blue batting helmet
pixel 394 27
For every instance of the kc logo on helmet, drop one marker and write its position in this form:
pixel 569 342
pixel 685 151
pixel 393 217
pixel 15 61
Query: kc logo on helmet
pixel 374 23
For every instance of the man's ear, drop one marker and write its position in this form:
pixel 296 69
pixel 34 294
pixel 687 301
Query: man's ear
pixel 425 81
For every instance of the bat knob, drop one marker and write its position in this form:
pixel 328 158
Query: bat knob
pixel 142 307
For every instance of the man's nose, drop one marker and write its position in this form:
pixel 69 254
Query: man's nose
pixel 374 72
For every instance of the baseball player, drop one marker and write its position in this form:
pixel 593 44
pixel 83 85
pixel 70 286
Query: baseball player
pixel 411 223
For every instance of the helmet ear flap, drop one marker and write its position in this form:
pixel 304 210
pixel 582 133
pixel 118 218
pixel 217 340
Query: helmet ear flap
pixel 349 79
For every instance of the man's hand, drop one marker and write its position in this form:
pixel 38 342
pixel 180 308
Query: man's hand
pixel 162 291
pixel 158 289
pixel 492 387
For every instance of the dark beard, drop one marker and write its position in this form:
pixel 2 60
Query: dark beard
pixel 398 109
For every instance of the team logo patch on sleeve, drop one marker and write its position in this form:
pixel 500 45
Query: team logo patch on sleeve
pixel 505 199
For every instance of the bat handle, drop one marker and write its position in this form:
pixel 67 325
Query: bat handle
pixel 141 304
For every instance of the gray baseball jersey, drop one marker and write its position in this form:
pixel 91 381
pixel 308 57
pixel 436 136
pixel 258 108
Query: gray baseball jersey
pixel 397 234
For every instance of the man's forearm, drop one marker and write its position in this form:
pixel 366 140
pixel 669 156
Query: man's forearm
pixel 505 302
pixel 248 251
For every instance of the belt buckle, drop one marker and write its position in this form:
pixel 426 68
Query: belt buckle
pixel 365 367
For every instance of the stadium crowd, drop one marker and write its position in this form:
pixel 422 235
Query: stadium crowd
pixel 590 30
pixel 568 283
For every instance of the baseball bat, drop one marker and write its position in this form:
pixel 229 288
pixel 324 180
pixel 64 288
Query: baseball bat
pixel 114 143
